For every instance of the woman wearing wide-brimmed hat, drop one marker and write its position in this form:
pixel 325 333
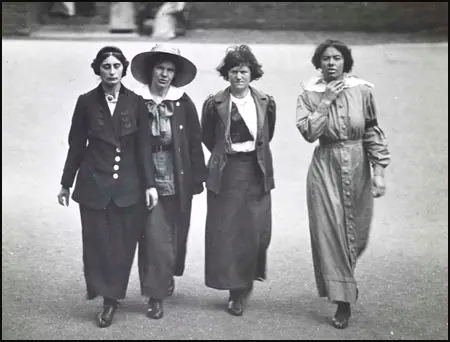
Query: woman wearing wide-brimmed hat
pixel 179 165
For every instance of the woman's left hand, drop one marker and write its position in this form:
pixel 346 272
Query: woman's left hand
pixel 378 186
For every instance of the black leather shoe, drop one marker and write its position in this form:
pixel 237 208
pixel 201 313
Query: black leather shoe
pixel 171 288
pixel 155 309
pixel 105 318
pixel 342 316
pixel 236 307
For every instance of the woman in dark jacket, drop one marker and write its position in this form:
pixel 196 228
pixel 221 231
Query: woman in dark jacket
pixel 108 147
pixel 237 125
pixel 179 165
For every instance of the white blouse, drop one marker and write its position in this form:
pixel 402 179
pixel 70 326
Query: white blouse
pixel 247 109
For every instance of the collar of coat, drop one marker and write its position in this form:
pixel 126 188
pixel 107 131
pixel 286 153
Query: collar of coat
pixel 319 85
pixel 173 93
pixel 224 95
pixel 122 91
pixel 222 100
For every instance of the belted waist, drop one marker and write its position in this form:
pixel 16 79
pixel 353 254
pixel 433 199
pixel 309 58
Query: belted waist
pixel 339 143
pixel 242 154
pixel 160 148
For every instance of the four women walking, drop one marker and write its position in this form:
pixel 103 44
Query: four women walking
pixel 140 161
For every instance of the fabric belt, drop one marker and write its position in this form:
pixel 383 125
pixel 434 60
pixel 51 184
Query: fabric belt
pixel 160 148
pixel 242 154
pixel 340 143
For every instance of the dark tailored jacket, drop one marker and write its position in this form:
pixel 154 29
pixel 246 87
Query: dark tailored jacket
pixel 216 127
pixel 110 153
pixel 189 160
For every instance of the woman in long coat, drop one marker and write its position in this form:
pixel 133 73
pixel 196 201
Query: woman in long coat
pixel 237 126
pixel 339 110
pixel 108 144
pixel 179 165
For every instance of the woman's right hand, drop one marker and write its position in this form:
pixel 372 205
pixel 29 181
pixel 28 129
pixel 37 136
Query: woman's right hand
pixel 151 198
pixel 63 197
pixel 333 89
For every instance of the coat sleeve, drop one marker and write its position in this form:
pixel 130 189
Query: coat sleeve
pixel 309 121
pixel 271 116
pixel 77 144
pixel 195 144
pixel 375 142
pixel 145 161
pixel 209 122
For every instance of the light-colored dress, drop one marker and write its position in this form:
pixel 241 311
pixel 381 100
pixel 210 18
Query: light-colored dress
pixel 165 23
pixel 340 202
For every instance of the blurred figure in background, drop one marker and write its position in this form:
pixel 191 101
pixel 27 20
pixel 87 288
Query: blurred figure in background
pixel 171 20
pixel 62 9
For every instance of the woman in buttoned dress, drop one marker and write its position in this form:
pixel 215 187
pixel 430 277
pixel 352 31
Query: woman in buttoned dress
pixel 346 172
pixel 237 126
pixel 179 165
pixel 108 143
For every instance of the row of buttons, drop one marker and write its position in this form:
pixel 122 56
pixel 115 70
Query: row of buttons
pixel 348 210
pixel 116 167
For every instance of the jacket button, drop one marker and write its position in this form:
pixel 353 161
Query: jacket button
pixel 181 126
pixel 117 159
pixel 182 172
pixel 116 167
pixel 115 176
pixel 118 150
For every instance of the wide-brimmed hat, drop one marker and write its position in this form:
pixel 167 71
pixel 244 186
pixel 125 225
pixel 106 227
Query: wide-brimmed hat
pixel 185 73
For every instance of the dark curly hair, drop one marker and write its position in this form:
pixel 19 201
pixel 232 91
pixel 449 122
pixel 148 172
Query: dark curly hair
pixel 240 55
pixel 104 53
pixel 338 45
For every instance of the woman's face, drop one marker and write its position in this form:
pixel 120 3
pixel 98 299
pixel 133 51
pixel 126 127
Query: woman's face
pixel 163 74
pixel 239 77
pixel 111 70
pixel 332 64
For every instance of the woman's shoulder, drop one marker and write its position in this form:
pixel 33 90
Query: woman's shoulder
pixel 262 94
pixel 89 93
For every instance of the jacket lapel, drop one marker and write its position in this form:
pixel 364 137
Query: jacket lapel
pixel 222 100
pixel 111 122
pixel 261 102
pixel 102 105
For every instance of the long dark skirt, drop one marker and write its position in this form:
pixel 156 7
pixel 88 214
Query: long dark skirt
pixel 162 249
pixel 110 237
pixel 238 226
